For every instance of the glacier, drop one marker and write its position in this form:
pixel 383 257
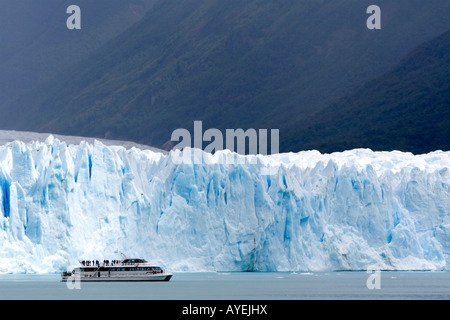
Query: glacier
pixel 303 211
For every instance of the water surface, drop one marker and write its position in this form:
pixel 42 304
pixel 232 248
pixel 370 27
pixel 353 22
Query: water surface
pixel 237 286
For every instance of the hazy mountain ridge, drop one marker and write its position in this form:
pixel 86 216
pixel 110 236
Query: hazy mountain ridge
pixel 29 137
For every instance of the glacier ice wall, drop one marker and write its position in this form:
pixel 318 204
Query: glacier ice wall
pixel 344 211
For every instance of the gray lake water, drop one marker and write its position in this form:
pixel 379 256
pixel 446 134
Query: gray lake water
pixel 238 286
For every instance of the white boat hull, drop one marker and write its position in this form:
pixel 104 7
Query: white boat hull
pixel 130 278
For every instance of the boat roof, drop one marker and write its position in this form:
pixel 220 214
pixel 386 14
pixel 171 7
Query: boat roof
pixel 133 260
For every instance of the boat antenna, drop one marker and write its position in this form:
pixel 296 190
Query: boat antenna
pixel 122 254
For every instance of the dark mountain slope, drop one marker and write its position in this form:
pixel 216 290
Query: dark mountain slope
pixel 406 109
pixel 231 64
pixel 36 44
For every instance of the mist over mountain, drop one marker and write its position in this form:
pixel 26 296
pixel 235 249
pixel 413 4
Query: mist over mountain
pixel 231 64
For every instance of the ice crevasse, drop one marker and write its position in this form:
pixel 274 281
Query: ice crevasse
pixel 303 211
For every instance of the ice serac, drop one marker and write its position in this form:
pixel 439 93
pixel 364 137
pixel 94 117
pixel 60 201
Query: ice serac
pixel 344 211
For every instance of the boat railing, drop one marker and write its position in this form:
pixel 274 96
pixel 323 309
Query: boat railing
pixel 96 263
pixel 107 263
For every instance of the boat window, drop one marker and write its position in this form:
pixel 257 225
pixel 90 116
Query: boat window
pixel 117 269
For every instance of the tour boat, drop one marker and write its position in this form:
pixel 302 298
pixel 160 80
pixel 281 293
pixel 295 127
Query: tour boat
pixel 128 269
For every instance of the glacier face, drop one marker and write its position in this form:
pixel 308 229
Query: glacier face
pixel 353 210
